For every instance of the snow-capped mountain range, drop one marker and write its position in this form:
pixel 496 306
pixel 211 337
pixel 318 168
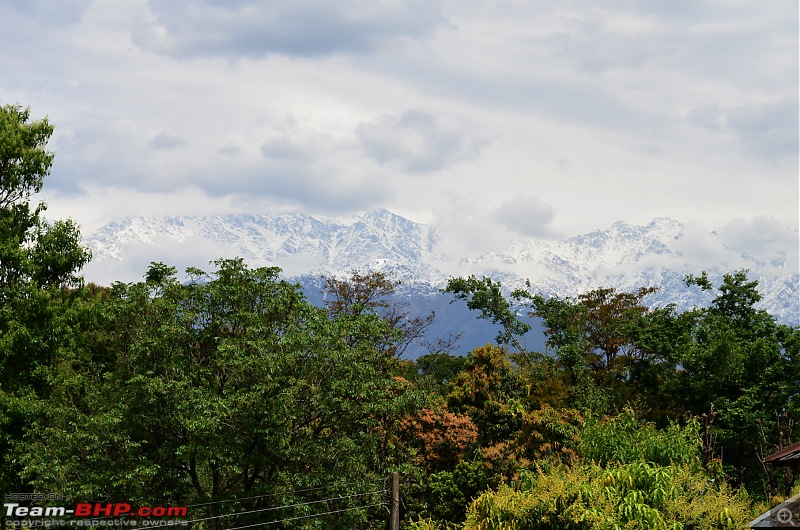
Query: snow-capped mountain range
pixel 624 256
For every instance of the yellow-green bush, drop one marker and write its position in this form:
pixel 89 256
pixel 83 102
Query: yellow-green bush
pixel 429 524
pixel 638 495
pixel 625 439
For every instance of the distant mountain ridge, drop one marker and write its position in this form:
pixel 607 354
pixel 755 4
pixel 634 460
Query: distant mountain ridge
pixel 625 256
pixel 265 239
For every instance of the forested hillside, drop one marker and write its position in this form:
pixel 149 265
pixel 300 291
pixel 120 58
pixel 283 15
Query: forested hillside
pixel 235 396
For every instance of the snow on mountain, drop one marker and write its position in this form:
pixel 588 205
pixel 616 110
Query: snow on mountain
pixel 625 256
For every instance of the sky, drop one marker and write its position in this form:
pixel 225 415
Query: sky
pixel 493 121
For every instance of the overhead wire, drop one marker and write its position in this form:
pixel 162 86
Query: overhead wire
pixel 308 516
pixel 306 490
pixel 273 508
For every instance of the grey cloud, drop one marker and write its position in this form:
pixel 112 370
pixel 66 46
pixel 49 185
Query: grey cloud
pixel 63 12
pixel 167 140
pixel 671 51
pixel 418 141
pixel 735 43
pixel 535 86
pixel 594 49
pixel 229 150
pixel 305 175
pixel 528 215
pixel 767 130
pixel 301 187
pixel 248 28
pixel 107 154
pixel 36 45
pixel 646 150
pixel 281 147
pixel 685 11
pixel 708 117
pixel 293 184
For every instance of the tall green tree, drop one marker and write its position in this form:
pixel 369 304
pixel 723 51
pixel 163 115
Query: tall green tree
pixel 39 265
pixel 376 292
pixel 742 369
pixel 32 251
pixel 37 258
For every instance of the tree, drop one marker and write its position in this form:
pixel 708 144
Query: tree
pixel 601 322
pixel 490 391
pixel 31 250
pixel 587 497
pixel 441 368
pixel 592 336
pixel 39 265
pixel 440 437
pixel 23 161
pixel 736 297
pixel 745 366
pixel 486 295
pixel 37 258
pixel 374 292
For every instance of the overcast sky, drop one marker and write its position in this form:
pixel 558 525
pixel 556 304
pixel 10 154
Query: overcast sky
pixel 493 121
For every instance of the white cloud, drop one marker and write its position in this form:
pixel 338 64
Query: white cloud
pixel 765 238
pixel 699 248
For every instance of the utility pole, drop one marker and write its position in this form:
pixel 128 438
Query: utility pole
pixel 394 495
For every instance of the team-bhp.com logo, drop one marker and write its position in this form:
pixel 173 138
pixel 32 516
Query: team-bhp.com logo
pixel 93 514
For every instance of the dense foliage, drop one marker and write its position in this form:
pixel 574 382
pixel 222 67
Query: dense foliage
pixel 231 393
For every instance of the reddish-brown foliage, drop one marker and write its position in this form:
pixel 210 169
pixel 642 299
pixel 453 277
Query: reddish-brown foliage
pixel 440 437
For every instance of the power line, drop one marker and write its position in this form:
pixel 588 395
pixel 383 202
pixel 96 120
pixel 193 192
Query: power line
pixel 305 490
pixel 308 516
pixel 330 486
pixel 287 506
pixel 281 507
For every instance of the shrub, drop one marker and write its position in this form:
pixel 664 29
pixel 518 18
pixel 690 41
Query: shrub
pixel 626 440
pixel 639 495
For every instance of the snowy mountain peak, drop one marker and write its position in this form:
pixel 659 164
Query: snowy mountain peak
pixel 625 256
